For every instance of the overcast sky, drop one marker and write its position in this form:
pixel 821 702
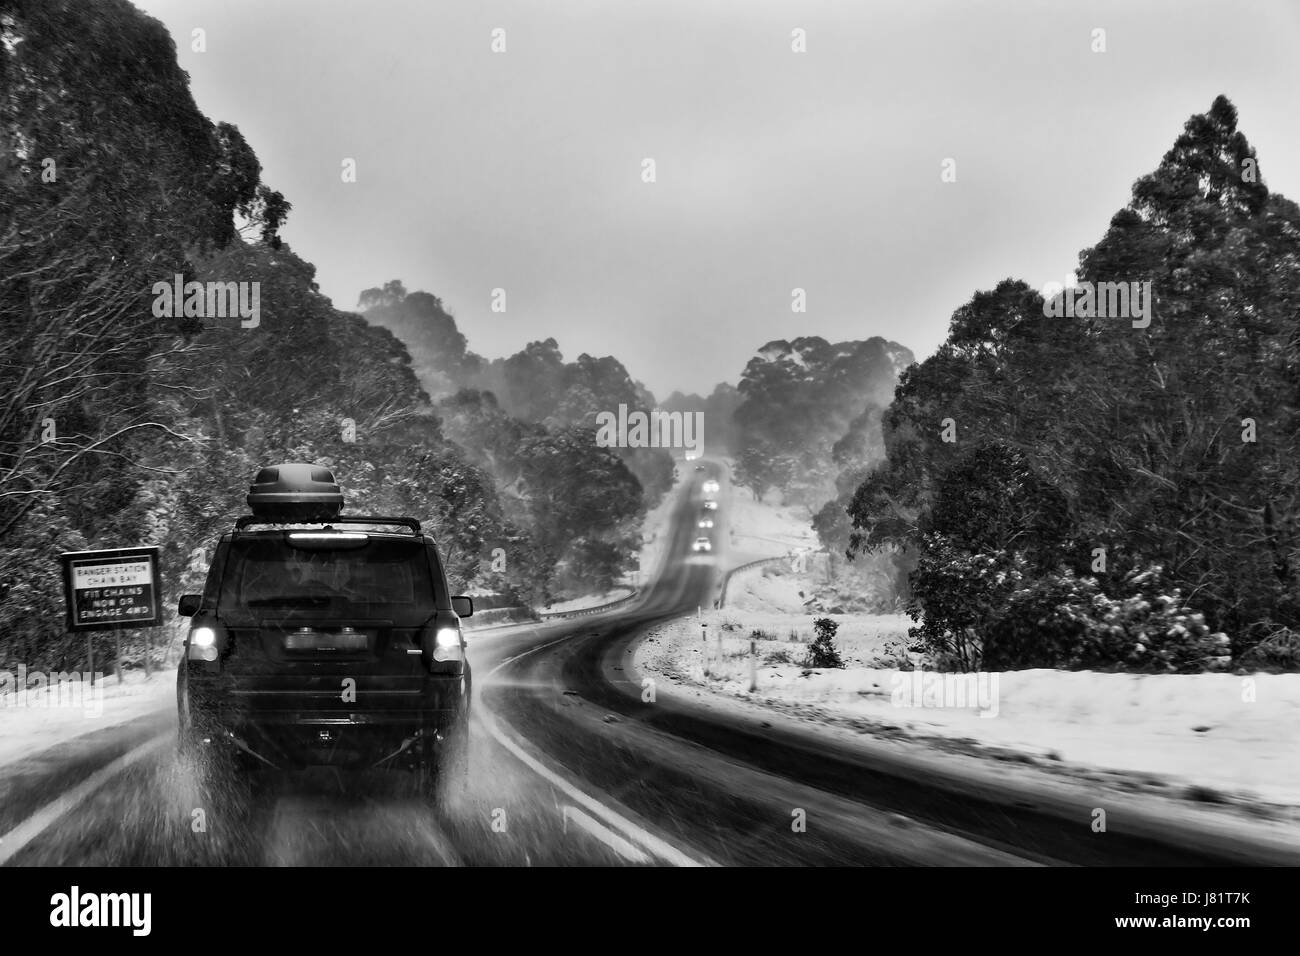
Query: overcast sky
pixel 523 170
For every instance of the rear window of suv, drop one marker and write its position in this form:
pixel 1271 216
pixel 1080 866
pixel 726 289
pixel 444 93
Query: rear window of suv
pixel 385 578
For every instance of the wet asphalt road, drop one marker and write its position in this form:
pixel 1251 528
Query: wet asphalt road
pixel 570 766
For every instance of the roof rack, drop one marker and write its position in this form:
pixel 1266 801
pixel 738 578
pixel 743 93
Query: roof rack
pixel 247 520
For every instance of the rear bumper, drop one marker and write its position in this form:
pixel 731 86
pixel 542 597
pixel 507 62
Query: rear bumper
pixel 291 728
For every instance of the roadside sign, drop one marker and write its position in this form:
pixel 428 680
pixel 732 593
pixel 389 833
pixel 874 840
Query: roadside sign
pixel 108 590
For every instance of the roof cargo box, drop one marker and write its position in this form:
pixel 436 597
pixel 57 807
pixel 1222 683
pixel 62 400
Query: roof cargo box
pixel 295 492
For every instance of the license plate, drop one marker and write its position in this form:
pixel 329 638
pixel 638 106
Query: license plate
pixel 326 641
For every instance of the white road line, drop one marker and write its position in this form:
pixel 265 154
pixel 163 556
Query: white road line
pixel 631 831
pixel 17 838
pixel 531 650
pixel 604 835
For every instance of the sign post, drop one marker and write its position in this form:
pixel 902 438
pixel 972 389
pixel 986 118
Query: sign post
pixel 111 590
pixel 704 646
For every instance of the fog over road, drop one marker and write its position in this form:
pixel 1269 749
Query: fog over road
pixel 571 766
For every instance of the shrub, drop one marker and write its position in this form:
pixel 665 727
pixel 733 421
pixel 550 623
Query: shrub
pixel 1062 620
pixel 955 596
pixel 822 652
pixel 1079 626
pixel 1278 650
pixel 894 655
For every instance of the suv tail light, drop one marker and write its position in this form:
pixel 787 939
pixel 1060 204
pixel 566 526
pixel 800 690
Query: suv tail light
pixel 206 641
pixel 443 646
pixel 446 644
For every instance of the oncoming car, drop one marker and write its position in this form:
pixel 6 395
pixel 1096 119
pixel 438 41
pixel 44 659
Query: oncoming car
pixel 711 486
pixel 702 544
pixel 710 506
pixel 705 522
pixel 325 640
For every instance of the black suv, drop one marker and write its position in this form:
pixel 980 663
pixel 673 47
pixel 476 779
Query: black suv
pixel 322 639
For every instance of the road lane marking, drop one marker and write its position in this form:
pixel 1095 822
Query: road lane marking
pixel 637 834
pixel 16 839
pixel 531 650
pixel 630 831
pixel 603 834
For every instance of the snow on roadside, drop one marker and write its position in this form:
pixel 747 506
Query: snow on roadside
pixel 657 527
pixel 32 722
pixel 1197 730
pixel 759 529
pixel 1238 737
